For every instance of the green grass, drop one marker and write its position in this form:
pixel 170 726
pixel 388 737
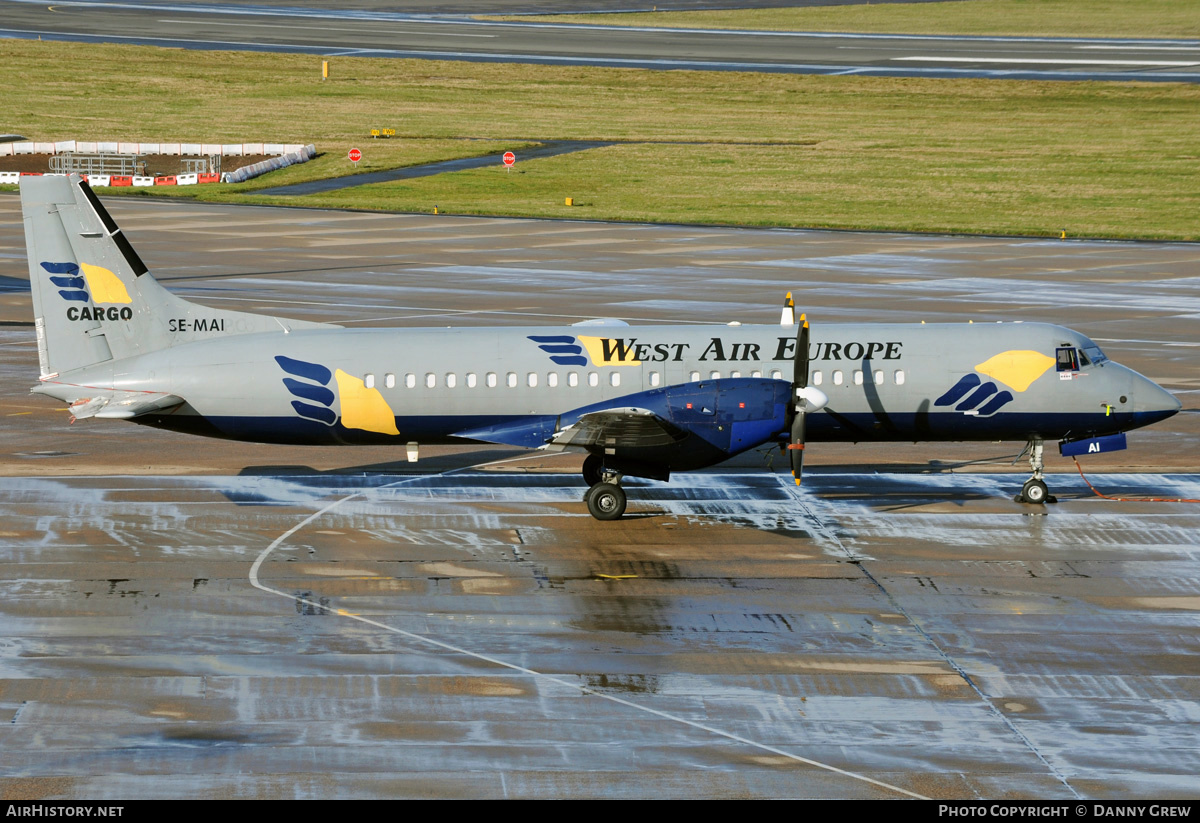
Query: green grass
pixel 1047 18
pixel 973 156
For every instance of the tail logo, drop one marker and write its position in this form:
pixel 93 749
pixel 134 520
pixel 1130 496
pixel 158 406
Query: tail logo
pixel 362 408
pixel 1017 370
pixel 75 280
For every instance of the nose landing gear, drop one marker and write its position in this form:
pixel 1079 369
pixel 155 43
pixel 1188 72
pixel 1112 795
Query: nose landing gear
pixel 1034 490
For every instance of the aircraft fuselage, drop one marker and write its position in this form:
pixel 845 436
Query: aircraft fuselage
pixel 884 381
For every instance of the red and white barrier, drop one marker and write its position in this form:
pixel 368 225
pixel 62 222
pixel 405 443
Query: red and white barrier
pixel 282 154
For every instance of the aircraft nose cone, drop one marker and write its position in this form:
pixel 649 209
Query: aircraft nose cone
pixel 1153 403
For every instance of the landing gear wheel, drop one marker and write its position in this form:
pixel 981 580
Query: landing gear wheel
pixel 606 501
pixel 593 469
pixel 1034 492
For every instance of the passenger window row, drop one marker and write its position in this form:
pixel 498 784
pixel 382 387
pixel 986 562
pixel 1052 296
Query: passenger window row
pixel 573 379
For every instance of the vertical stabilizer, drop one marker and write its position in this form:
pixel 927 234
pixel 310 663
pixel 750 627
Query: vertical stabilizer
pixel 93 298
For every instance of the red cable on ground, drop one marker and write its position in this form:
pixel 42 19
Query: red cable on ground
pixel 1132 499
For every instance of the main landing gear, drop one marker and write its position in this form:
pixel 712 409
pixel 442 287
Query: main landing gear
pixel 605 498
pixel 1034 490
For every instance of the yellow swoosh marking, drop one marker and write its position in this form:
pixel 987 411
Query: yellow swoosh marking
pixel 364 408
pixel 595 350
pixel 1016 369
pixel 105 286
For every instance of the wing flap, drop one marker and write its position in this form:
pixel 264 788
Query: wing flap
pixel 620 428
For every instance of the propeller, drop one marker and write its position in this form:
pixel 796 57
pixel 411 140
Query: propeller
pixel 805 399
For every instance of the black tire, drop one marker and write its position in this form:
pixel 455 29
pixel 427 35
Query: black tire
pixel 592 468
pixel 1034 492
pixel 606 501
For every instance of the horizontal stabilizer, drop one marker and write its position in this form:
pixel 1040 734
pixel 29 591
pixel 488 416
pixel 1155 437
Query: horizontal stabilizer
pixel 123 405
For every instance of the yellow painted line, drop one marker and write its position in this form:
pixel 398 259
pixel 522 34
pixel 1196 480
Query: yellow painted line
pixel 617 576
pixel 17 414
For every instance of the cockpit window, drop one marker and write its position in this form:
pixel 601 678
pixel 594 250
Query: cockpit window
pixel 1068 359
pixel 1092 354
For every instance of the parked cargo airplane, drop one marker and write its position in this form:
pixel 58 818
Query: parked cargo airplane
pixel 640 401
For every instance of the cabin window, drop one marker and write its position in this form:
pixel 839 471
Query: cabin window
pixel 695 377
pixel 776 374
pixel 878 377
pixel 817 378
pixel 389 380
pixel 655 379
pixel 716 375
pixel 511 379
pixel 593 379
pixel 470 380
pixel 1068 359
pixel 451 380
pixel 615 378
pixel 735 373
pixel 552 379
pixel 531 379
pixel 573 379
pixel 899 377
pixel 491 380
pixel 369 381
pixel 756 374
pixel 837 377
pixel 430 380
pixel 410 381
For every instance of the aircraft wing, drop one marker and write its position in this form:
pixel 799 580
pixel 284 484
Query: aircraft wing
pixel 623 428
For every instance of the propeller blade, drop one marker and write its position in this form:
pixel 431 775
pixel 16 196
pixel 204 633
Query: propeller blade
pixel 800 397
pixel 796 447
pixel 800 361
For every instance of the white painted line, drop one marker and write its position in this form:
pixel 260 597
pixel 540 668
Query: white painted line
pixel 558 681
pixel 1032 61
pixel 1142 48
pixel 241 24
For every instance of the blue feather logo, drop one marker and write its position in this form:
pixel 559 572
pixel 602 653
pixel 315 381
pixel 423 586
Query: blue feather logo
pixel 562 349
pixel 316 399
pixel 969 392
pixel 72 286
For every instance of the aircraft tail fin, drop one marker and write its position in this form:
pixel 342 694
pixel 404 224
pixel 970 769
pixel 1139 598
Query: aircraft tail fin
pixel 93 298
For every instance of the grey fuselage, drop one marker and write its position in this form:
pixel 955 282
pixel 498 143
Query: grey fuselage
pixel 884 381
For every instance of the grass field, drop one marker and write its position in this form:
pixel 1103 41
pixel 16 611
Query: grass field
pixel 975 156
pixel 1043 18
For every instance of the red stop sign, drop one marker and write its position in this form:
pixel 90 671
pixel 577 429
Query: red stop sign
pixel 355 155
pixel 509 158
